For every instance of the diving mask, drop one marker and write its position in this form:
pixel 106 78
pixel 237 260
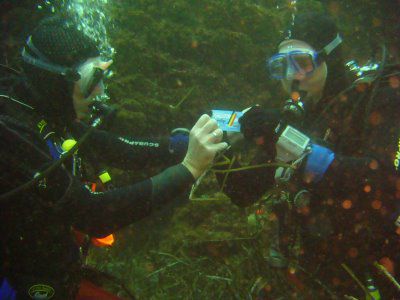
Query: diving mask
pixel 286 65
pixel 92 73
pixel 302 61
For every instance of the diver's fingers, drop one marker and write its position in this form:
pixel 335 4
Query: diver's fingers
pixel 210 126
pixel 201 122
pixel 215 136
pixel 218 147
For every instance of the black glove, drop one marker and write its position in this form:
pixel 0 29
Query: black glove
pixel 259 125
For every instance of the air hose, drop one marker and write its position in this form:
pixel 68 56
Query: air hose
pixel 105 113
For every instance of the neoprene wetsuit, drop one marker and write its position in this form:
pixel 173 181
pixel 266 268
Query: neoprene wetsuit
pixel 37 244
pixel 362 173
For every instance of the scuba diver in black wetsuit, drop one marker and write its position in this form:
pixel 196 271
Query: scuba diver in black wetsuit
pixel 342 182
pixel 64 71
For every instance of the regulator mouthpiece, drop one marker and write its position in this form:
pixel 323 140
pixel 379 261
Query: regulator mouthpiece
pixel 293 109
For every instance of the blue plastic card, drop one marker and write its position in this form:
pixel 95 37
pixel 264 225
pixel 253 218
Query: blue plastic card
pixel 228 120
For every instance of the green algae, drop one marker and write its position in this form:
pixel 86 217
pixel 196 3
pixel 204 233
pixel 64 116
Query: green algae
pixel 213 53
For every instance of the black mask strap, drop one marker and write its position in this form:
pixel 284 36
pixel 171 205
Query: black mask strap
pixel 43 63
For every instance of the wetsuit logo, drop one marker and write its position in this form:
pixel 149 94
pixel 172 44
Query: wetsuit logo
pixel 139 143
pixel 41 291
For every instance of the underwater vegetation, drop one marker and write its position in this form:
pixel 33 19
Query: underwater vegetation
pixel 175 60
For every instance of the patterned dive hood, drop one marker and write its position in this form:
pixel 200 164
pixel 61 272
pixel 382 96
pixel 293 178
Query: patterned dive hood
pixel 61 43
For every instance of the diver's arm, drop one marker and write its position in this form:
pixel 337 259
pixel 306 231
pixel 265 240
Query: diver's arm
pixel 100 214
pixel 350 175
pixel 373 170
pixel 380 144
pixel 345 174
pixel 132 152
pixel 125 152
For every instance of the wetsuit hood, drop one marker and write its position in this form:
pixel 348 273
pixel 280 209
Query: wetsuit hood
pixel 57 41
